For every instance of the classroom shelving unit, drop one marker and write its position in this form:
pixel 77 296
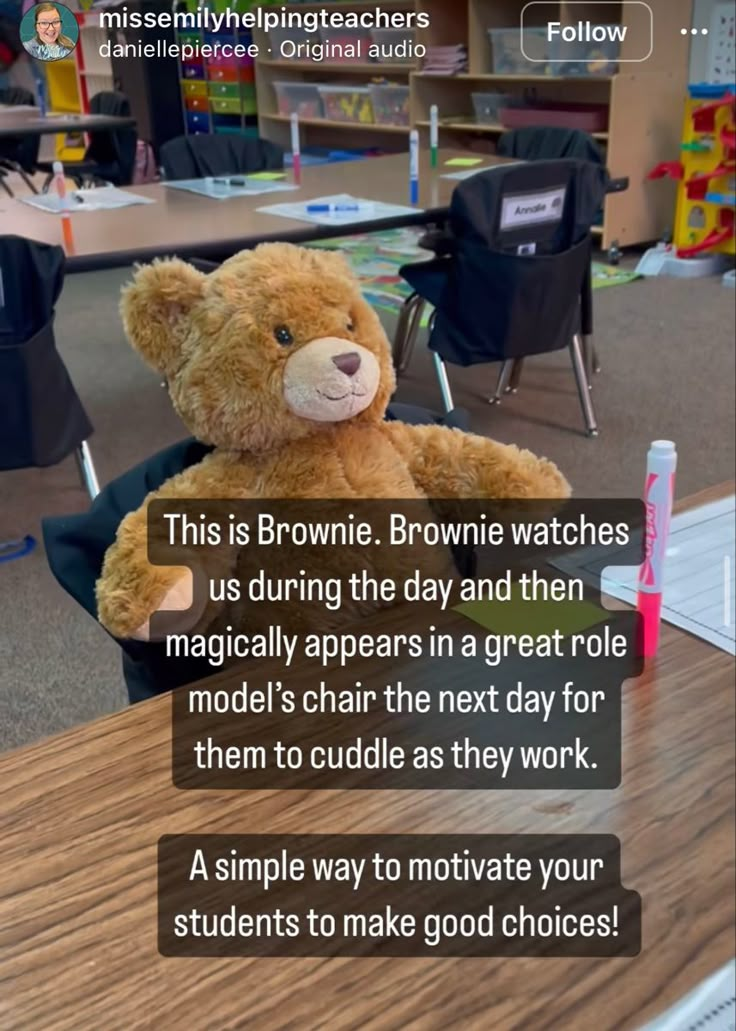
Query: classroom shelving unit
pixel 218 95
pixel 643 99
pixel 73 80
pixel 325 132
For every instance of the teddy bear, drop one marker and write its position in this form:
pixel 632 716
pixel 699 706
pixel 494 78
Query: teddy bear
pixel 277 361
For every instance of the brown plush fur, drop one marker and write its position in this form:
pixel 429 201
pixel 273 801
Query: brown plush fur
pixel 285 420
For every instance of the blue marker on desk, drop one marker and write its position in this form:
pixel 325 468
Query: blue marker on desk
pixel 331 209
pixel 414 166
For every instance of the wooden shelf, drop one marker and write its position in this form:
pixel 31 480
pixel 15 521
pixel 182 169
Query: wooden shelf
pixel 486 127
pixel 644 99
pixel 596 230
pixel 333 124
pixel 337 68
pixel 492 77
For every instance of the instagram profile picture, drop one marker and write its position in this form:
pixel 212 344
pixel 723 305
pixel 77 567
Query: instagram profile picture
pixel 49 31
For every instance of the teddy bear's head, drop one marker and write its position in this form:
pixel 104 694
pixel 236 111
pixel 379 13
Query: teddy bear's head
pixel 275 345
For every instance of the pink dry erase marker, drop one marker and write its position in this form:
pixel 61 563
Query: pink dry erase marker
pixel 659 490
pixel 296 154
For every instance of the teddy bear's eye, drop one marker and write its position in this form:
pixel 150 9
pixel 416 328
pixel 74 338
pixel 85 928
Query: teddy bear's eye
pixel 350 326
pixel 283 335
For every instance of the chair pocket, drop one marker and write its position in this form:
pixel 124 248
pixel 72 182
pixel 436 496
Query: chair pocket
pixel 498 306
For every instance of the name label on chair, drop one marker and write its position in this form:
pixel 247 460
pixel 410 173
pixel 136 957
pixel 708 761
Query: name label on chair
pixel 526 209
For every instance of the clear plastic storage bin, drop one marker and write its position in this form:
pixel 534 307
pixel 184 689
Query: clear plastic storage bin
pixel 507 57
pixel 292 38
pixel 354 44
pixel 392 39
pixel 301 98
pixel 390 104
pixel 487 107
pixel 595 58
pixel 347 103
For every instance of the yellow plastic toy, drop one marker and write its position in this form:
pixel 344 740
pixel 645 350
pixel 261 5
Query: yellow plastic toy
pixel 706 195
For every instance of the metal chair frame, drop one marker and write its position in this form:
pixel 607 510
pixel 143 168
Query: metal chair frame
pixel 582 353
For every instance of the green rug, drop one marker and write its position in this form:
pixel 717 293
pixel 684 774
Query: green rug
pixel 377 257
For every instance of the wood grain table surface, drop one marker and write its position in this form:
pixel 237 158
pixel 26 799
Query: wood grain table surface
pixel 81 814
pixel 190 225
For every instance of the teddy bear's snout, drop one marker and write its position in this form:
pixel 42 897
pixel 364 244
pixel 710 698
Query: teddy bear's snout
pixel 348 363
pixel 330 379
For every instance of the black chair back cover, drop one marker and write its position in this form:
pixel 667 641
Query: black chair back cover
pixel 41 417
pixel 21 149
pixel 113 150
pixel 547 143
pixel 517 256
pixel 194 157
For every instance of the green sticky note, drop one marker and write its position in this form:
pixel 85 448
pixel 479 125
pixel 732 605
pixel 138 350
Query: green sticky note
pixel 518 616
pixel 464 162
pixel 267 175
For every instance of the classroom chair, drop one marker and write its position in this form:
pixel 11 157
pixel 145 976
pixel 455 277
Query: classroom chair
pixel 75 547
pixel 110 155
pixel 42 420
pixel 511 276
pixel 195 157
pixel 545 143
pixel 18 154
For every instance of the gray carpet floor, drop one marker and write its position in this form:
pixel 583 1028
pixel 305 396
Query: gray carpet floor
pixel 668 372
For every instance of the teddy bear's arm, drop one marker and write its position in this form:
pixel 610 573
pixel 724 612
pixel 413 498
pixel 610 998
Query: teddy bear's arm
pixel 130 589
pixel 449 463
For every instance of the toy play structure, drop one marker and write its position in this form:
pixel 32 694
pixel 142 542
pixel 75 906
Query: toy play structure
pixel 706 194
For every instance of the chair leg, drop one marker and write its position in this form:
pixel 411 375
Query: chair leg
pixel 87 470
pixel 47 182
pixel 590 356
pixel 504 378
pixel 515 376
pixel 13 166
pixel 5 186
pixel 407 331
pixel 582 382
pixel 444 382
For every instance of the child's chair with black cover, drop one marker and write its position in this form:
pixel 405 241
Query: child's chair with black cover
pixel 546 143
pixel 194 157
pixel 18 154
pixel 512 273
pixel 110 154
pixel 42 420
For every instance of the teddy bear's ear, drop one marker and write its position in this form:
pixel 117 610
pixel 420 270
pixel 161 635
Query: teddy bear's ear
pixel 155 308
pixel 334 262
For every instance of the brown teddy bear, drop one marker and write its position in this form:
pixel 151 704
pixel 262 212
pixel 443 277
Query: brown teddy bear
pixel 278 361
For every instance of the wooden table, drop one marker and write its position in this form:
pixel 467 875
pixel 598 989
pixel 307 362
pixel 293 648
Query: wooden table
pixel 81 813
pixel 189 225
pixel 30 122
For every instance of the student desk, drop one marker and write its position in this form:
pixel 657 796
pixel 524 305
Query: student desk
pixel 23 121
pixel 189 225
pixel 81 813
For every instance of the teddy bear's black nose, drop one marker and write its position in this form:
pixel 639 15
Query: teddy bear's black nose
pixel 348 363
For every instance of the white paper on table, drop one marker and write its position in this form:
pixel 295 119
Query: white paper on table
pixel 368 210
pixel 225 190
pixel 103 198
pixel 699 581
pixel 711 1006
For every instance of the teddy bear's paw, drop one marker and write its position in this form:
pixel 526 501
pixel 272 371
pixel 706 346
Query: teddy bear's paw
pixel 551 483
pixel 179 598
